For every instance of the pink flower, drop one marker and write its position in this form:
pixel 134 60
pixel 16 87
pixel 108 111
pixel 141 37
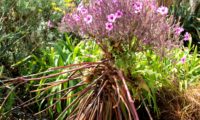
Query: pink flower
pixel 183 59
pixel 64 18
pixel 119 14
pixel 109 26
pixel 137 6
pixel 153 6
pixel 178 30
pixel 99 2
pixel 50 24
pixel 88 19
pixel 114 1
pixel 111 18
pixel 186 36
pixel 75 17
pixel 80 7
pixel 162 10
pixel 84 11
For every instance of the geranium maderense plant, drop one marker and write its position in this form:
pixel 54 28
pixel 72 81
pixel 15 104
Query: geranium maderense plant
pixel 122 24
pixel 121 20
pixel 120 28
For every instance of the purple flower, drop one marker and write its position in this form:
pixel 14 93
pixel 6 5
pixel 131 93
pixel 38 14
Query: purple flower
pixel 109 26
pixel 162 10
pixel 114 1
pixel 119 14
pixel 75 17
pixel 111 18
pixel 186 36
pixel 88 19
pixel 64 18
pixel 183 59
pixel 50 24
pixel 137 6
pixel 153 6
pixel 178 30
pixel 80 7
pixel 99 2
pixel 84 11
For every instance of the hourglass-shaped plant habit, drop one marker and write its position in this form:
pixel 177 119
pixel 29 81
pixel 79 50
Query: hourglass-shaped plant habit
pixel 121 28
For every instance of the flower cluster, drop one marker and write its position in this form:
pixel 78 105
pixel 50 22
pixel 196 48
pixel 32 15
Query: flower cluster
pixel 112 18
pixel 121 20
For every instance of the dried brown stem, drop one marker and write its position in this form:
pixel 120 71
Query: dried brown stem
pixel 131 102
